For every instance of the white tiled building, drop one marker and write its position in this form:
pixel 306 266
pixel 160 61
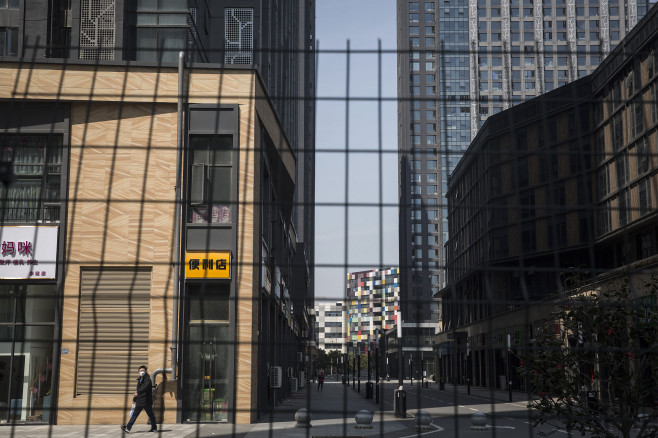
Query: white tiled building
pixel 330 326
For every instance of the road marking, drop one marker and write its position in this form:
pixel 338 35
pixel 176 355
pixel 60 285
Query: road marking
pixel 502 427
pixel 473 409
pixel 438 429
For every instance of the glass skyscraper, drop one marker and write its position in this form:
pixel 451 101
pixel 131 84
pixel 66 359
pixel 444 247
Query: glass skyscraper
pixel 458 62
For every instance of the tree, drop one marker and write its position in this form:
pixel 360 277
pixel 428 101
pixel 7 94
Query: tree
pixel 322 361
pixel 599 371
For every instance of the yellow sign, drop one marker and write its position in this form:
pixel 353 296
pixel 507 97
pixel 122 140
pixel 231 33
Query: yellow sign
pixel 201 264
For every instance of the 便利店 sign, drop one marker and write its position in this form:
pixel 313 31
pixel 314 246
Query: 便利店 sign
pixel 202 264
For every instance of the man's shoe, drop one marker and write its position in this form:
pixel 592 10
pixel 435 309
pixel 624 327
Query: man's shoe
pixel 153 430
pixel 125 429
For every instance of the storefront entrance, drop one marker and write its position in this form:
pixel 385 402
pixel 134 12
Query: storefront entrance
pixel 27 315
pixel 208 351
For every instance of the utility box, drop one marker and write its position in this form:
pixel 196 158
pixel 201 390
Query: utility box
pixel 400 403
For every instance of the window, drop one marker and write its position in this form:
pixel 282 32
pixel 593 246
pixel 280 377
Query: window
pixel 162 32
pixel 622 169
pixel 617 131
pixel 37 165
pixel 623 208
pixel 644 190
pixel 211 180
pixel 642 156
pixel 413 30
pixel 432 214
pixel 603 182
pixel 638 116
pixel 8 41
pixel 605 220
pixel 9 4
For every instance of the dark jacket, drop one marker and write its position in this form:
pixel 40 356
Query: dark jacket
pixel 144 392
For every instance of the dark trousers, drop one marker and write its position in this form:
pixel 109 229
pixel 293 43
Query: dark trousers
pixel 149 412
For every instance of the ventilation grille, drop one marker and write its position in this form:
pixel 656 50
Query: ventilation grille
pixel 239 36
pixel 97 28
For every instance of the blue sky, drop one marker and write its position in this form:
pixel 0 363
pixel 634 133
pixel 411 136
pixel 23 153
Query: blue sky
pixel 363 23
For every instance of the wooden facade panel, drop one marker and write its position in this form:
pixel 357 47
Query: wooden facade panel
pixel 122 215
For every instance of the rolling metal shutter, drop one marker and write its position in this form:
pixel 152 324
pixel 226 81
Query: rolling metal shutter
pixel 113 330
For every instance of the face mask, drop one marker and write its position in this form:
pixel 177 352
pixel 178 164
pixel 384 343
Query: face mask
pixel 141 373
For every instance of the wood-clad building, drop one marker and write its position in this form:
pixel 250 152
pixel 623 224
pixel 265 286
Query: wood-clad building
pixel 106 184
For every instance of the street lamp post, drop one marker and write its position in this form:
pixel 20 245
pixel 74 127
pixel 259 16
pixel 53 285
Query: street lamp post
pixel 441 381
pixel 468 367
pixel 377 366
pixel 509 367
pixel 359 369
pixel 353 367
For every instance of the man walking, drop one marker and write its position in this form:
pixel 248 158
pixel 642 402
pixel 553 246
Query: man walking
pixel 143 399
pixel 320 380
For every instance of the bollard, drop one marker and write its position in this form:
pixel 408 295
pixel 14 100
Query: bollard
pixel 303 418
pixel 363 419
pixel 400 402
pixel 479 421
pixel 423 420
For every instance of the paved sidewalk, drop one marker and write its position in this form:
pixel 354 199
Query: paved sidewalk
pixel 332 415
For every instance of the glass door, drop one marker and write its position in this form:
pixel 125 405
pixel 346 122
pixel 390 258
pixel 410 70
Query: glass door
pixel 208 352
pixel 206 382
pixel 26 348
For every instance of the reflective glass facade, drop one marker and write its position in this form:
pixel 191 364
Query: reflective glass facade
pixel 459 62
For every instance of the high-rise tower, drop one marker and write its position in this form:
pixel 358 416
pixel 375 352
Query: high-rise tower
pixel 459 62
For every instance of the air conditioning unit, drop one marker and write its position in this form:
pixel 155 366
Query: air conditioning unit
pixel 276 377
pixel 290 372
pixel 293 385
pixel 302 379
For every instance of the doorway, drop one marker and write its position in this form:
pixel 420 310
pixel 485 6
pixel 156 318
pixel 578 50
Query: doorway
pixel 208 349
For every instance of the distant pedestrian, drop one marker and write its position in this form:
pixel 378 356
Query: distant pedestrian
pixel 320 380
pixel 143 400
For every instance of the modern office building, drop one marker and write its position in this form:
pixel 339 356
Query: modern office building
pixel 373 304
pixel 91 287
pixel 331 326
pixel 555 195
pixel 458 63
